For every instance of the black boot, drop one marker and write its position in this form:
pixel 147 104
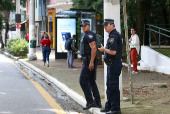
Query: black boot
pixel 104 110
pixel 99 105
pixel 113 112
pixel 89 105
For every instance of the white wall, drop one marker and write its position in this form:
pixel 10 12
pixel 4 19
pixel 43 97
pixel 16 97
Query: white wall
pixel 154 61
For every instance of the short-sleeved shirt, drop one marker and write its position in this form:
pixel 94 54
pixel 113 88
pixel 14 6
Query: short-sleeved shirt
pixel 88 38
pixel 46 42
pixel 114 43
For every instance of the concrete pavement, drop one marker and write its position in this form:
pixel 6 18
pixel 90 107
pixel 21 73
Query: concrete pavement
pixel 18 95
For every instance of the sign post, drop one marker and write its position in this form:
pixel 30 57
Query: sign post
pixel 18 25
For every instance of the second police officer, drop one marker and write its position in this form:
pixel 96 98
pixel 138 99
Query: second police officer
pixel 112 58
pixel 88 51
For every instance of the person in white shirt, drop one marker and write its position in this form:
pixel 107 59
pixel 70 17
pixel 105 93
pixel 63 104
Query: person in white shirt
pixel 135 47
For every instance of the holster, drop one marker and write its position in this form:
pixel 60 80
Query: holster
pixel 86 59
pixel 108 61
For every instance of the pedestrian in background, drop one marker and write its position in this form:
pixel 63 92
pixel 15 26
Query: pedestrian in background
pixel 74 49
pixel 112 58
pixel 27 37
pixel 135 47
pixel 88 52
pixel 42 37
pixel 45 44
pixel 70 46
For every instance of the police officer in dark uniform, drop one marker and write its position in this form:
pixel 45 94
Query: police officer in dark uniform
pixel 88 51
pixel 112 58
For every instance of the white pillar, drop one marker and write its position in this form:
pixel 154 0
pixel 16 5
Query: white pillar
pixel 112 11
pixel 17 12
pixel 32 40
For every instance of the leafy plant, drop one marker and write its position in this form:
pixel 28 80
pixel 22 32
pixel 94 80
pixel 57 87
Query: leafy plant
pixel 163 86
pixel 17 46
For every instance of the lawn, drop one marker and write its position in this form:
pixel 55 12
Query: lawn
pixel 164 51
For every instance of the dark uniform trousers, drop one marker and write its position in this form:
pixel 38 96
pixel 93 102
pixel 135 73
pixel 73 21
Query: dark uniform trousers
pixel 88 84
pixel 113 93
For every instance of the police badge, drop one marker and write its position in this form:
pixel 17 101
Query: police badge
pixel 111 40
pixel 90 36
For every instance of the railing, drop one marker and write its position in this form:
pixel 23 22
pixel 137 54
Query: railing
pixel 160 31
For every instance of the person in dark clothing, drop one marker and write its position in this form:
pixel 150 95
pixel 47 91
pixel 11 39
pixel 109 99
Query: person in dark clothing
pixel 72 52
pixel 112 58
pixel 88 50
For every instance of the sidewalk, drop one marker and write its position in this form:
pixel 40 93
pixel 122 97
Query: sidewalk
pixel 70 76
pixel 149 98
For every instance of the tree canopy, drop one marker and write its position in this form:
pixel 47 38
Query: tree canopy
pixel 96 5
pixel 139 12
pixel 6 5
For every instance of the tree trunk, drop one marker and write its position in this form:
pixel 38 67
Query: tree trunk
pixel 128 50
pixel 2 44
pixel 6 31
pixel 140 22
pixel 6 19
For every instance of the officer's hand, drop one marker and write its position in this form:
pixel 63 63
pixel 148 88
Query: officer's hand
pixel 91 66
pixel 102 48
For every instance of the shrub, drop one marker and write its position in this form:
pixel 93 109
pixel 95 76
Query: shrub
pixel 17 46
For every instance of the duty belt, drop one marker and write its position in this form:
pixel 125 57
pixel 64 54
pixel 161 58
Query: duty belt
pixel 86 59
pixel 108 61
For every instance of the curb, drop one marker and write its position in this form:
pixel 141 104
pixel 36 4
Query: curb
pixel 75 96
pixel 9 55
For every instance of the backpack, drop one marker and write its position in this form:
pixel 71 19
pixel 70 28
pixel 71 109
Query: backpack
pixel 68 44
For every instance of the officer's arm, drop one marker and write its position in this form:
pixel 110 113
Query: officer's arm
pixel 111 52
pixel 93 51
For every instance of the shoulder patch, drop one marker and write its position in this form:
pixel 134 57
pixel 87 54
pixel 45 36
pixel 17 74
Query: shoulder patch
pixel 111 40
pixel 90 36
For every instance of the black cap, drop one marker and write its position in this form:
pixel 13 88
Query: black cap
pixel 106 21
pixel 85 22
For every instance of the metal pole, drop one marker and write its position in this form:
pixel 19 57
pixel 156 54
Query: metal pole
pixel 159 39
pixel 32 40
pixel 17 12
pixel 149 37
pixel 144 36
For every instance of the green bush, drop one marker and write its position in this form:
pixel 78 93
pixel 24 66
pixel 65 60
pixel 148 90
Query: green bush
pixel 17 46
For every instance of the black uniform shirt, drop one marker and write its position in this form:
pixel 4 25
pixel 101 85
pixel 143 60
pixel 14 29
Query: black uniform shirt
pixel 88 38
pixel 114 43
